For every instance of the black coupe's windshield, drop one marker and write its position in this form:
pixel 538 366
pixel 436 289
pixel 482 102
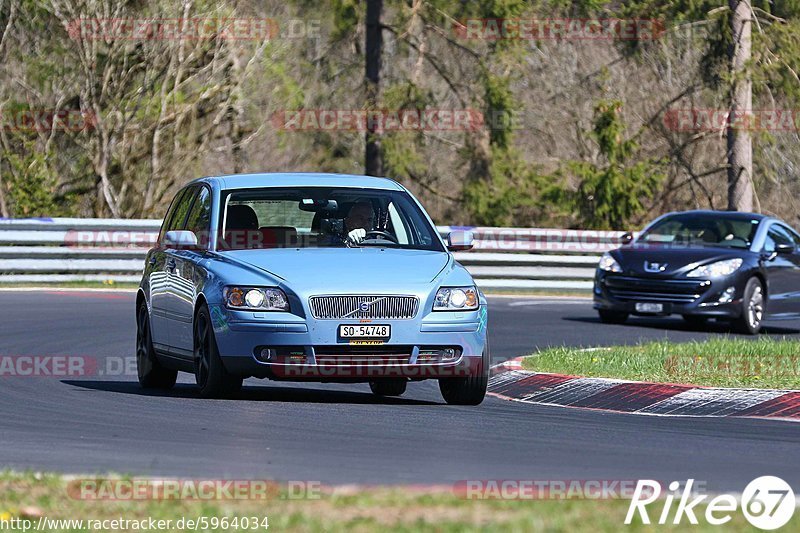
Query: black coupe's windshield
pixel 315 217
pixel 692 229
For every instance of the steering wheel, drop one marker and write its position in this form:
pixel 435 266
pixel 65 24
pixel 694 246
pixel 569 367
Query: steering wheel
pixel 383 234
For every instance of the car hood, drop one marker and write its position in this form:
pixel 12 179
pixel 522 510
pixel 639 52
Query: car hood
pixel 674 260
pixel 346 269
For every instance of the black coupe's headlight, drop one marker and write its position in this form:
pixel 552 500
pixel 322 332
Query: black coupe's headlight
pixel 456 299
pixel 256 299
pixel 717 269
pixel 609 264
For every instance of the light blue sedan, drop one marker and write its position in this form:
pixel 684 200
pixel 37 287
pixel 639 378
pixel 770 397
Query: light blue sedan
pixel 315 277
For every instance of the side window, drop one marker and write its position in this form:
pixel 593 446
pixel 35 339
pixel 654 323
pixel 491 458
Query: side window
pixel 777 235
pixel 398 225
pixel 178 217
pixel 170 213
pixel 199 219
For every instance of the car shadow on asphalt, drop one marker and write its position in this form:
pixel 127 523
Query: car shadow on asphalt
pixel 672 324
pixel 268 393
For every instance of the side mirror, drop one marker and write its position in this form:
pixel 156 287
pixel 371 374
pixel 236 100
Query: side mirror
pixel 180 239
pixel 626 238
pixel 460 240
pixel 784 248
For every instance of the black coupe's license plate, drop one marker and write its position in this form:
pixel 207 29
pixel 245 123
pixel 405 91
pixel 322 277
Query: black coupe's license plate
pixel 365 331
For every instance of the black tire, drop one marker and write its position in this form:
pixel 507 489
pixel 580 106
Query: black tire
pixel 608 316
pixel 696 321
pixel 152 374
pixel 389 387
pixel 469 390
pixel 753 305
pixel 210 374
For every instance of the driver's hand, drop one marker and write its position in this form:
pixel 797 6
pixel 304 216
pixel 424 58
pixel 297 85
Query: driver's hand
pixel 356 236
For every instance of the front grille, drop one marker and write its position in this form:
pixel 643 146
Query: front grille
pixel 362 355
pixel 377 306
pixel 655 290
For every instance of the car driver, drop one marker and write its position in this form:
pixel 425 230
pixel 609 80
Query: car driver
pixel 359 221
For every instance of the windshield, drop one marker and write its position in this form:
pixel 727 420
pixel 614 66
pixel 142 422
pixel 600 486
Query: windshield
pixel 702 230
pixel 315 217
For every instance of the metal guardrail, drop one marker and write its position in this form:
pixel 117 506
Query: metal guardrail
pixel 72 249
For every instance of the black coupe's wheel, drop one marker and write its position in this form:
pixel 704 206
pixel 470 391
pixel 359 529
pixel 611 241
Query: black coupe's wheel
pixel 388 387
pixel 753 305
pixel 695 321
pixel 469 390
pixel 612 317
pixel 152 374
pixel 210 374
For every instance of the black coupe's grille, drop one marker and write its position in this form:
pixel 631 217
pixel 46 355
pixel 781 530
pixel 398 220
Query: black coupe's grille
pixel 364 306
pixel 654 290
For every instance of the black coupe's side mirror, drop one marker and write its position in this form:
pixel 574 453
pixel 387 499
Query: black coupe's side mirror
pixel 626 238
pixel 784 248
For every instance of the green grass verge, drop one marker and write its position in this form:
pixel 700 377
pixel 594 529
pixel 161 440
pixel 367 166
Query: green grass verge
pixel 720 362
pixel 378 509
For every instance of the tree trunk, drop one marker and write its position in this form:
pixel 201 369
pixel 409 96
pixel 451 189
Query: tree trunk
pixel 373 162
pixel 740 142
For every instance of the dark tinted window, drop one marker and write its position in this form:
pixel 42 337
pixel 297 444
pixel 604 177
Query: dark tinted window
pixel 694 229
pixel 184 203
pixel 777 235
pixel 170 213
pixel 199 220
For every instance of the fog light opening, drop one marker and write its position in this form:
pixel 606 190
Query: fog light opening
pixel 267 354
pixel 727 295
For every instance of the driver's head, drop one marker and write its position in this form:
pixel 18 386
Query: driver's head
pixel 360 216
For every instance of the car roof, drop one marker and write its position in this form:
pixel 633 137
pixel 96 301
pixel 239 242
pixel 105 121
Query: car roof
pixel 738 215
pixel 302 179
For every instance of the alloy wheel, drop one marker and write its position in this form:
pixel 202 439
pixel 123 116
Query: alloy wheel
pixel 755 307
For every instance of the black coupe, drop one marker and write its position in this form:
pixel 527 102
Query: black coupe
pixel 728 265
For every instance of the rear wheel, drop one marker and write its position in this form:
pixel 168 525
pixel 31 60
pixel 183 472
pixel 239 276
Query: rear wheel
pixel 152 374
pixel 608 316
pixel 470 390
pixel 388 387
pixel 753 303
pixel 209 372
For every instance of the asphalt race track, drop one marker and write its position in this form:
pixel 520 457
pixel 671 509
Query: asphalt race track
pixel 341 433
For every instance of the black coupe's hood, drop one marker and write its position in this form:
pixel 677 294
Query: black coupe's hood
pixel 660 261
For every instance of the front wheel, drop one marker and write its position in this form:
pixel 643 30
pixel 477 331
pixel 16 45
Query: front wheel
pixel 152 374
pixel 469 390
pixel 210 374
pixel 752 313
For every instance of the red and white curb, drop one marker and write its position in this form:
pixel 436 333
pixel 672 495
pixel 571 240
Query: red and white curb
pixel 508 381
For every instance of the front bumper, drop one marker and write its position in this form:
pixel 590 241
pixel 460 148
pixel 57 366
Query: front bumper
pixel 701 297
pixel 308 349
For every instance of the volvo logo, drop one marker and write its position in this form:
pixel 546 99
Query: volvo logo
pixel 363 307
pixel 651 266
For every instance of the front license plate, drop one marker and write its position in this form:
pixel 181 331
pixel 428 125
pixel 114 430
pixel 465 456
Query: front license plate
pixel 649 308
pixel 362 331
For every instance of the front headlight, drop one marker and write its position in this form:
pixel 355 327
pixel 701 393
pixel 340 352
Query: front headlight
pixel 456 299
pixel 609 264
pixel 717 269
pixel 256 299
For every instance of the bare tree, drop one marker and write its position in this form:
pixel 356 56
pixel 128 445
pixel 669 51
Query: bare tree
pixel 740 142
